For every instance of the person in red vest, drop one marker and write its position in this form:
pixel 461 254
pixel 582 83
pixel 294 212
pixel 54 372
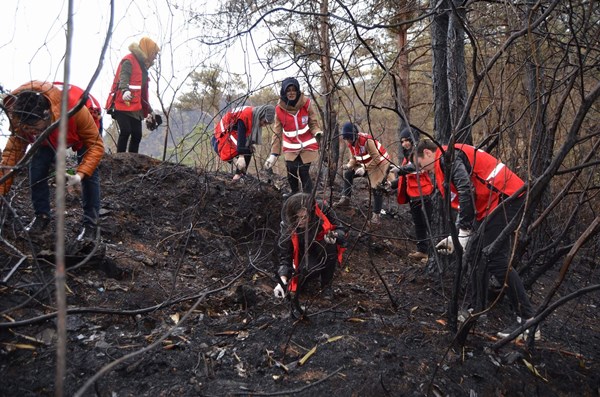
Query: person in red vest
pixel 479 185
pixel 302 219
pixel 368 159
pixel 297 134
pixel 415 189
pixel 31 109
pixel 128 99
pixel 238 131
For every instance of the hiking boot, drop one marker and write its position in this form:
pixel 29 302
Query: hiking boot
pixel 419 256
pixel 344 201
pixel 525 335
pixel 88 233
pixel 39 224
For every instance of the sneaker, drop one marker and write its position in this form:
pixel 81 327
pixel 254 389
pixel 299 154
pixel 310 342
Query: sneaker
pixel 418 256
pixel 344 201
pixel 88 233
pixel 375 219
pixel 525 335
pixel 39 224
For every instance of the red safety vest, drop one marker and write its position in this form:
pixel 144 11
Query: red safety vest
pixel 296 134
pixel 408 185
pixel 92 103
pixel 490 178
pixel 359 149
pixel 73 139
pixel 139 100
pixel 225 134
pixel 327 227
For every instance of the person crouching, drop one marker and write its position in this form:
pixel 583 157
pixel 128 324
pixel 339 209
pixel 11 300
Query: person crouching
pixel 311 243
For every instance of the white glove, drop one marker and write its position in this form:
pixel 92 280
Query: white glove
pixel 73 180
pixel 346 166
pixel 240 163
pixel 278 291
pixel 331 237
pixel 270 161
pixel 446 246
pixel 360 171
pixel 127 96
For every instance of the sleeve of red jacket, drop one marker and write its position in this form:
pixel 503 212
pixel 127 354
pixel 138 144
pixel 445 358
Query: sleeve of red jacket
pixel 88 131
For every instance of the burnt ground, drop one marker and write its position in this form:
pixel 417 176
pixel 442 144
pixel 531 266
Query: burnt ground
pixel 196 249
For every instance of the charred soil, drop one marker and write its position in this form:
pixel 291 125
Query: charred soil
pixel 183 299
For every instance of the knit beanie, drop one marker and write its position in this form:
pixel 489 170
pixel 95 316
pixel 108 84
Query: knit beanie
pixel 405 134
pixel 349 131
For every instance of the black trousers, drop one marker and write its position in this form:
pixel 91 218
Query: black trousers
pixel 298 174
pixel 497 261
pixel 418 212
pixel 129 127
pixel 349 176
pixel 319 263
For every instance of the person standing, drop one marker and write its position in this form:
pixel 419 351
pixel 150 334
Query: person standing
pixel 304 218
pixel 479 183
pixel 238 131
pixel 415 189
pixel 31 109
pixel 369 159
pixel 297 134
pixel 128 99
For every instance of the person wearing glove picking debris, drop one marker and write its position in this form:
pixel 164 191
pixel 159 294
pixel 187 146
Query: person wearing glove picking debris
pixel 128 101
pixel 311 243
pixel 31 109
pixel 415 189
pixel 237 133
pixel 369 159
pixel 296 134
pixel 479 187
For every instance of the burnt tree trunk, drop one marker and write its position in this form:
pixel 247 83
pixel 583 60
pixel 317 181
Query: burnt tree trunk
pixel 330 144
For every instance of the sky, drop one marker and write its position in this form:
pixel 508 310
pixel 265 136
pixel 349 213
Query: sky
pixel 33 43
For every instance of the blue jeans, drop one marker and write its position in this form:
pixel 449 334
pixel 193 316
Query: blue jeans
pixel 39 170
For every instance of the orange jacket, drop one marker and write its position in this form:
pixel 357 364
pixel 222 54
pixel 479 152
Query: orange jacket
pixel 82 131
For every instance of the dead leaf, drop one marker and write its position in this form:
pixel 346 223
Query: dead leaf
pixel 307 356
pixel 533 370
pixel 355 320
pixel 11 346
pixel 441 321
pixel 9 318
pixel 413 309
pixel 175 317
pixel 227 333
pixel 334 338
